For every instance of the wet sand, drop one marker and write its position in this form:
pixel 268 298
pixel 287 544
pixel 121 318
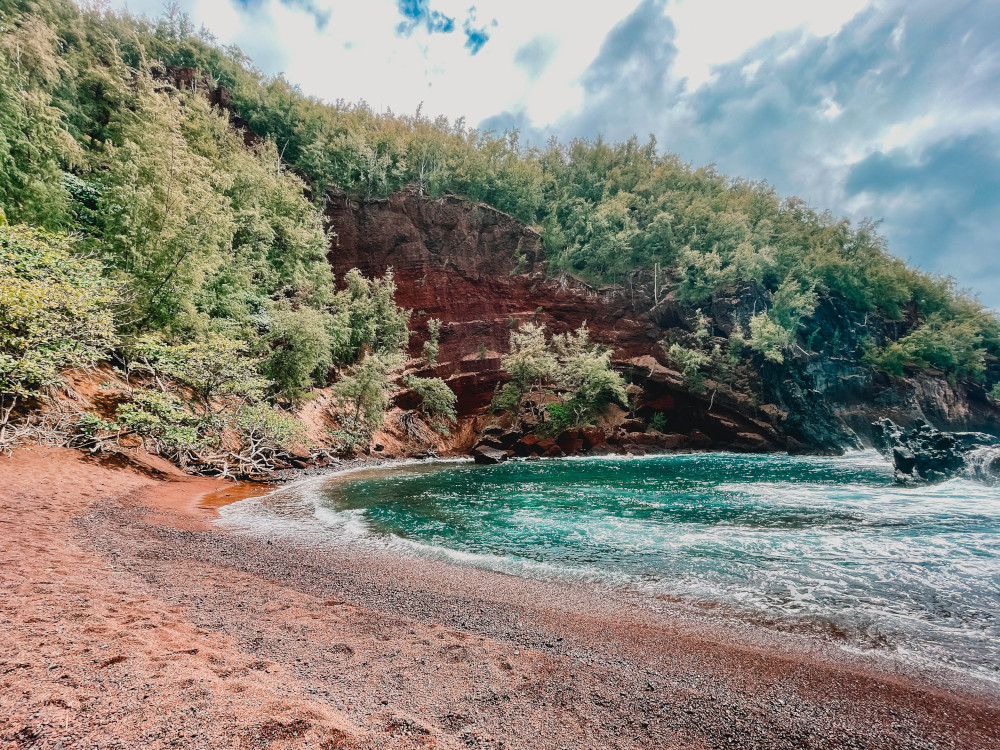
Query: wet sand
pixel 127 619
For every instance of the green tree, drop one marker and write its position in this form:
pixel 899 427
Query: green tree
pixel 368 388
pixel 34 144
pixel 56 311
pixel 530 364
pixel 167 219
pixel 437 400
pixel 300 349
pixel 585 375
pixel 365 315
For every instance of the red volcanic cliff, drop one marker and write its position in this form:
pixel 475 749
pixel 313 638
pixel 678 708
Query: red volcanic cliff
pixel 481 273
pixel 475 268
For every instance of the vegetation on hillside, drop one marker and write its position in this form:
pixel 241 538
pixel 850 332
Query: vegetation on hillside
pixel 202 241
pixel 568 366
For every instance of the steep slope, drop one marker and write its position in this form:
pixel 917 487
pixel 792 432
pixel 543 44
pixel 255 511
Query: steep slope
pixel 482 273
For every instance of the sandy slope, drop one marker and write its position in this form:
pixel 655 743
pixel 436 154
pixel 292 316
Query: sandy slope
pixel 128 620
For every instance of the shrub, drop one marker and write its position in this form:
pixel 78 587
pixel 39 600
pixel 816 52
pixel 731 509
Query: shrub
pixel 367 389
pixel 949 345
pixel 212 366
pixel 161 420
pixel 560 417
pixel 56 311
pixel 265 431
pixel 769 338
pixel 689 362
pixel 430 350
pixel 437 400
pixel 570 365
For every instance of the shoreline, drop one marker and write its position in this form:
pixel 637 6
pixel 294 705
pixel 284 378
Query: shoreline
pixel 133 619
pixel 808 636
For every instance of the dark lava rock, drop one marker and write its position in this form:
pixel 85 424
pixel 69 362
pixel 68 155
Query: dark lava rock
pixel 593 436
pixel 486 455
pixel 633 425
pixel 508 439
pixel 570 442
pixel 699 440
pixel 925 454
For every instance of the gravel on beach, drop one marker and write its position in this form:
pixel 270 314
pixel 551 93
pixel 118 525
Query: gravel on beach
pixel 128 620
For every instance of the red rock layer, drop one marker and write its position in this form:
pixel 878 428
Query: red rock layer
pixel 481 272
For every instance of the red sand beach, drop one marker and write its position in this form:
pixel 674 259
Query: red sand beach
pixel 129 620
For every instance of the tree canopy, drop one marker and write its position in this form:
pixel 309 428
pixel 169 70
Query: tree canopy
pixel 196 183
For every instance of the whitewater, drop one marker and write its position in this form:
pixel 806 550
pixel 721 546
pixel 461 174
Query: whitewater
pixel 829 544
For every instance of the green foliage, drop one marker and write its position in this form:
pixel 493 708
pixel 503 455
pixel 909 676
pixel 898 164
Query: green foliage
pixel 34 145
pixel 162 420
pixel 352 435
pixel 953 346
pixel 792 302
pixel 530 364
pixel 995 392
pixel 701 276
pixel 769 338
pixel 561 417
pixel 891 359
pixel 585 375
pixel 242 440
pixel 212 367
pixel 658 422
pixel 207 236
pixel 570 365
pixel 690 363
pixel 723 364
pixel 437 400
pixel 300 347
pixel 368 387
pixel 55 312
pixel 165 219
pixel 262 427
pixel 430 349
pixel 366 318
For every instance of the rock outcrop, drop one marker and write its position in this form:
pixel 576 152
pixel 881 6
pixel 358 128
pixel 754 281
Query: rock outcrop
pixel 482 273
pixel 925 454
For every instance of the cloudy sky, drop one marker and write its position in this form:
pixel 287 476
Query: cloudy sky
pixel 888 109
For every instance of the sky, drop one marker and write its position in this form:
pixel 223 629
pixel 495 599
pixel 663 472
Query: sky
pixel 888 109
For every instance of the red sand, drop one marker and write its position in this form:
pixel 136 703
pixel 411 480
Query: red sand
pixel 127 620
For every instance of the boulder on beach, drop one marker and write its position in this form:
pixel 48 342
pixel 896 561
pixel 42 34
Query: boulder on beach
pixel 484 454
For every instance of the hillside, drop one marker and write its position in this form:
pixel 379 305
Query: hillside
pixel 172 215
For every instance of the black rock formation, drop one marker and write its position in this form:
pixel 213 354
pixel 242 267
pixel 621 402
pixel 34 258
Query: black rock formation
pixel 925 454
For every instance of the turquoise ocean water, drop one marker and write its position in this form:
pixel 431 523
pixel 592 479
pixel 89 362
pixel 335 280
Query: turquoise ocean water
pixel 801 541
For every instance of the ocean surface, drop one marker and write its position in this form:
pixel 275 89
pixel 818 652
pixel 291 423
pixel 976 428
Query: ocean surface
pixel 824 543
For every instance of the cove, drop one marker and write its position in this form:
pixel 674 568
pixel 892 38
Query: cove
pixel 829 543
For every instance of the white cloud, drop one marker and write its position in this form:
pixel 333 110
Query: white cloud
pixel 711 32
pixel 358 55
pixel 798 92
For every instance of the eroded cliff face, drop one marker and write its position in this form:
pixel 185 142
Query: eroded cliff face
pixel 482 273
pixel 477 270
